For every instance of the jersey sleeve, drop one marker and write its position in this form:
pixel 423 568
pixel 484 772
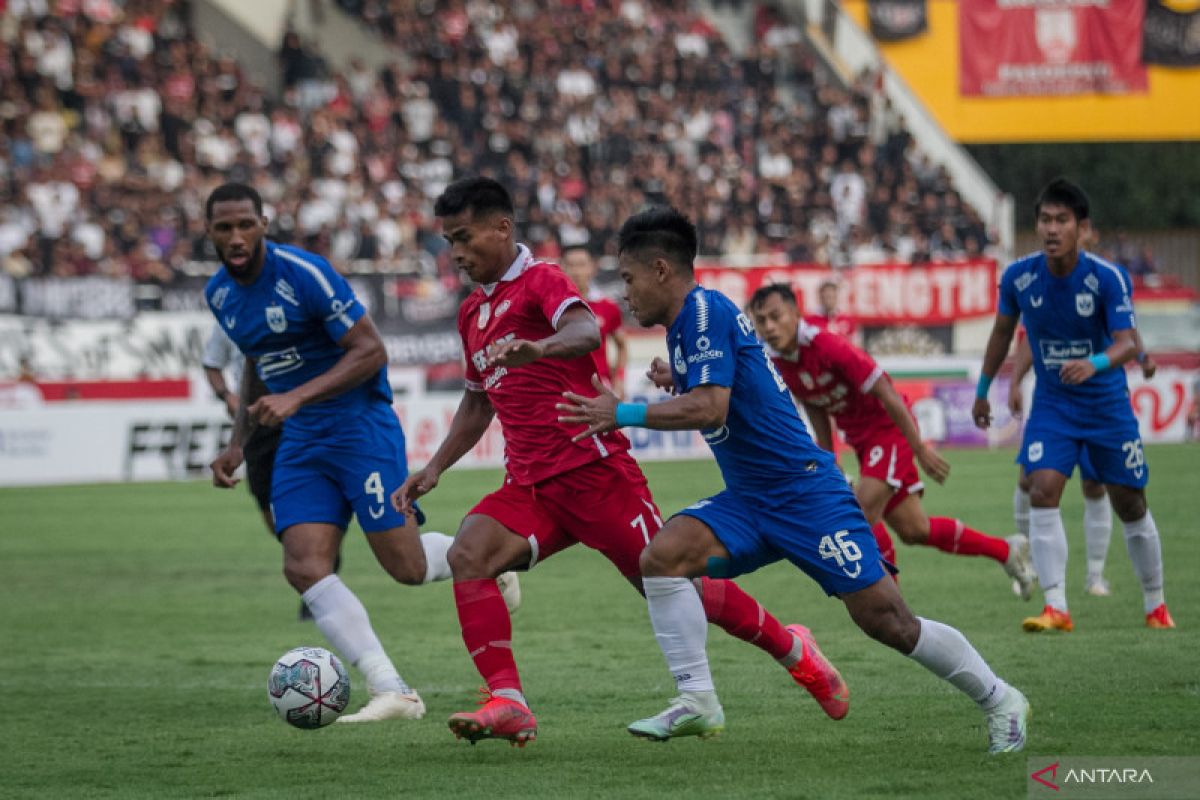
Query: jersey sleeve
pixel 554 292
pixel 1117 295
pixel 858 368
pixel 218 349
pixel 328 296
pixel 1007 304
pixel 708 345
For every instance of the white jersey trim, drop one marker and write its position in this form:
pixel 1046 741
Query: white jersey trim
pixel 871 380
pixel 339 311
pixel 473 386
pixel 562 309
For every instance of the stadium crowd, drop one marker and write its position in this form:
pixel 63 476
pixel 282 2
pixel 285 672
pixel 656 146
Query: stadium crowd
pixel 115 122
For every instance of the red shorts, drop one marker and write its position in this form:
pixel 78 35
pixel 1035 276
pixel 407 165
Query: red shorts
pixel 605 505
pixel 887 457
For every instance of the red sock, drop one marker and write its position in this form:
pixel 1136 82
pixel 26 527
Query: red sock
pixel 740 615
pixel 883 540
pixel 487 632
pixel 951 536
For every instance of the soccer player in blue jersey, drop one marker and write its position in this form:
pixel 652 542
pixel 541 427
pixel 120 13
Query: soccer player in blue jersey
pixel 312 344
pixel 1078 314
pixel 784 496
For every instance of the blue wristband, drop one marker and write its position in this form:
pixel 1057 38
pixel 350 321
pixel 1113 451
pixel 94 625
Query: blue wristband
pixel 631 414
pixel 1100 362
pixel 981 388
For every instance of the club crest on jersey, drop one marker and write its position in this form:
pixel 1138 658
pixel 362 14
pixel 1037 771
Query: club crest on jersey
pixel 680 364
pixel 500 309
pixel 276 320
pixel 485 314
pixel 285 290
pixel 219 297
pixel 1085 304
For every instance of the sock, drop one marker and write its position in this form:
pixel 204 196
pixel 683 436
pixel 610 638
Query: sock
pixel 883 540
pixel 952 536
pixel 1145 551
pixel 677 615
pixel 740 615
pixel 1048 547
pixel 435 545
pixel 342 618
pixel 1097 530
pixel 487 633
pixel 946 653
pixel 1021 510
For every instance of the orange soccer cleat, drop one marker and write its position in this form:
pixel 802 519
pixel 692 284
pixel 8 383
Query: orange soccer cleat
pixel 1051 619
pixel 819 677
pixel 1160 618
pixel 500 718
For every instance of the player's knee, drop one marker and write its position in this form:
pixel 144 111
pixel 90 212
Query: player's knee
pixel 913 534
pixel 660 562
pixel 304 573
pixel 1131 508
pixel 1042 497
pixel 891 624
pixel 409 571
pixel 1092 490
pixel 467 561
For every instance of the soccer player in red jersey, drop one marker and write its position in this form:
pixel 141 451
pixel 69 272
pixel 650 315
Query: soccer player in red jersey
pixel 580 267
pixel 830 318
pixel 836 380
pixel 528 335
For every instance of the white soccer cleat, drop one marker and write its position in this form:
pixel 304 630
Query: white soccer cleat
pixel 1096 586
pixel 510 590
pixel 1019 566
pixel 1007 723
pixel 388 705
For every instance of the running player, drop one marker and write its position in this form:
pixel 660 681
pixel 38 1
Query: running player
pixel 312 344
pixel 837 382
pixel 527 335
pixel 580 267
pixel 784 496
pixel 1078 314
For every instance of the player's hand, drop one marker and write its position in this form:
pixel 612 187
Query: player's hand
pixel 1149 367
pixel 418 484
pixel 981 412
pixel 1016 400
pixel 224 465
pixel 514 353
pixel 1077 371
pixel 933 464
pixel 598 413
pixel 272 409
pixel 660 375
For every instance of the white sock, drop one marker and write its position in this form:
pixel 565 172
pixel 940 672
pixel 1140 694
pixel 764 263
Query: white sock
pixel 1097 530
pixel 677 615
pixel 946 653
pixel 435 545
pixel 1145 551
pixel 1021 510
pixel 512 694
pixel 1048 547
pixel 344 621
pixel 794 655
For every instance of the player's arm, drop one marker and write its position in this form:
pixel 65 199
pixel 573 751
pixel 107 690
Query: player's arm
pixel 1149 365
pixel 703 408
pixel 1124 348
pixel 364 355
pixel 821 425
pixel 1022 363
pixel 576 334
pixel 618 374
pixel 997 348
pixel 216 381
pixel 471 421
pixel 229 459
pixel 934 465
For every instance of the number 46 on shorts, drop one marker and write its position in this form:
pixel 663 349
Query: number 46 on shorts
pixel 843 551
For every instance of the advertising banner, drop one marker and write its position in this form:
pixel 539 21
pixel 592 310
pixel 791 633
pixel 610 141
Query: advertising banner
pixel 1027 48
pixel 1171 33
pixel 897 20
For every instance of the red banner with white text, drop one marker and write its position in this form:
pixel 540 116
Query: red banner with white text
pixel 1050 47
pixel 934 294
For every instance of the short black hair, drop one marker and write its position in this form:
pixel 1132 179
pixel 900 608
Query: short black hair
pixel 233 192
pixel 477 194
pixel 1061 192
pixel 763 293
pixel 662 229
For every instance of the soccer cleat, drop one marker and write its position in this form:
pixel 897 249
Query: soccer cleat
pixel 1019 566
pixel 1096 586
pixel 510 590
pixel 388 705
pixel 1051 619
pixel 1160 618
pixel 690 714
pixel 500 718
pixel 819 677
pixel 1007 722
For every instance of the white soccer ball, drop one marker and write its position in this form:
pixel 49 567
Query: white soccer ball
pixel 309 687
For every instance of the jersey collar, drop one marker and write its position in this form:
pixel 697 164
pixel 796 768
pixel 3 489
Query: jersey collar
pixel 515 269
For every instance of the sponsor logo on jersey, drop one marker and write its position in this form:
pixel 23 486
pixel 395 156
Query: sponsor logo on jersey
pixel 717 436
pixel 1092 282
pixel 1036 302
pixel 479 360
pixel 680 364
pixel 1035 451
pixel 279 362
pixel 276 320
pixel 1085 304
pixel 285 290
pixel 703 343
pixel 230 321
pixel 807 380
pixel 504 306
pixel 707 355
pixel 1022 282
pixel 219 297
pixel 485 315
pixel 1056 352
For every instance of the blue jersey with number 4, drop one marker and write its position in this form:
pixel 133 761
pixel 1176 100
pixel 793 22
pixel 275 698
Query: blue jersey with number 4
pixel 763 448
pixel 290 321
pixel 1070 318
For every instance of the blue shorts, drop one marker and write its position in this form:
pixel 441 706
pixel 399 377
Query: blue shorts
pixel 354 469
pixel 819 528
pixel 1102 439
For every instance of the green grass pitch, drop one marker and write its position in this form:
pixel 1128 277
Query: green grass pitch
pixel 139 623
